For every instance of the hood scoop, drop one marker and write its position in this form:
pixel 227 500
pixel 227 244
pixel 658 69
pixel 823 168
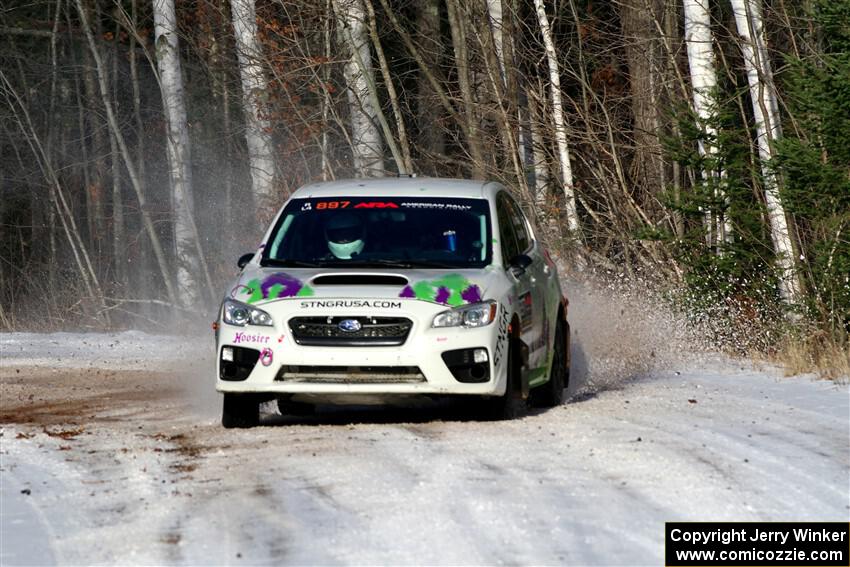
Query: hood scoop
pixel 360 279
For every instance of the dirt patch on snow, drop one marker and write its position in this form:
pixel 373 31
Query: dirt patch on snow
pixel 48 396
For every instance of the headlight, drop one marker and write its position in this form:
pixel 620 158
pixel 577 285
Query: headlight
pixel 240 314
pixel 475 315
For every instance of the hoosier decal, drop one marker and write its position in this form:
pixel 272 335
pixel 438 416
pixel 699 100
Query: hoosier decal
pixel 241 337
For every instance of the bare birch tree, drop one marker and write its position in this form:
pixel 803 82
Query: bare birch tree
pixel 700 46
pixel 494 13
pixel 750 26
pixel 255 92
pixel 367 144
pixel 573 226
pixel 179 160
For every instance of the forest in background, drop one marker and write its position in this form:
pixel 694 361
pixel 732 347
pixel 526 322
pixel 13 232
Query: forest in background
pixel 702 146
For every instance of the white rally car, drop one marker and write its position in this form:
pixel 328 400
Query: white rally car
pixel 394 287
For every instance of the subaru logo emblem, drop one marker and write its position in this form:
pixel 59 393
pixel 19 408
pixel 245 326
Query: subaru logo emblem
pixel 350 325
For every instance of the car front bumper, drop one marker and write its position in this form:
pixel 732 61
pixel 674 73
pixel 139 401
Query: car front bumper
pixel 415 367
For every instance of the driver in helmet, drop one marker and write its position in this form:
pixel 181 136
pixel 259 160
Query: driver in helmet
pixel 345 235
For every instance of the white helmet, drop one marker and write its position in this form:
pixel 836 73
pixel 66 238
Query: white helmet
pixel 344 233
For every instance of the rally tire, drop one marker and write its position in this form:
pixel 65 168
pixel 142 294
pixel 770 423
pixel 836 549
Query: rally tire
pixel 551 393
pixel 240 411
pixel 286 406
pixel 510 405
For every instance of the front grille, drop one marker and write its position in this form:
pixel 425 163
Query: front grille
pixel 374 331
pixel 351 374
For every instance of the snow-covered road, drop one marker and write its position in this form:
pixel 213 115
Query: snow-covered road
pixel 113 454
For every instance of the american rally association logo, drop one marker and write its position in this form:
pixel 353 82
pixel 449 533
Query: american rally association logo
pixel 350 325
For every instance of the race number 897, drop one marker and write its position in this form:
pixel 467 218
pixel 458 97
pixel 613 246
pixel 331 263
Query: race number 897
pixel 332 205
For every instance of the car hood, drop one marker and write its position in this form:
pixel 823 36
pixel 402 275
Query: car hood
pixel 259 286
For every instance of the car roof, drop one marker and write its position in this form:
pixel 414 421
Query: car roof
pixel 400 187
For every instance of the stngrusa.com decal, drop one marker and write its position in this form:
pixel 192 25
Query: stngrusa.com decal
pixel 375 303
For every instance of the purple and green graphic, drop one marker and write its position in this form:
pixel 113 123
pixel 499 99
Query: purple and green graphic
pixel 274 286
pixel 452 289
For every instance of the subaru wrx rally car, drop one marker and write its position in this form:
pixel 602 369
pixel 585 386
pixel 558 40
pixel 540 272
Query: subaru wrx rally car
pixel 394 287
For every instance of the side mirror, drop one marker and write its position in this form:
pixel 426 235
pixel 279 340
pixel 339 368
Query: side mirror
pixel 244 259
pixel 519 264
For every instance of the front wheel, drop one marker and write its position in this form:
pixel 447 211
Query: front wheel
pixel 511 404
pixel 240 410
pixel 286 406
pixel 551 393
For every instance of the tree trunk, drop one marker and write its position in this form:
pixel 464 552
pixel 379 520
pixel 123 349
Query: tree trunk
pixel 407 161
pixel 255 93
pixel 432 138
pixel 748 20
pixel 94 186
pixel 573 227
pixel 503 111
pixel 177 142
pixel 494 15
pixel 51 137
pixel 143 259
pixel 327 101
pixel 222 95
pixel 457 23
pixel 119 259
pixel 700 41
pixel 501 15
pixel 672 36
pixel 536 111
pixel 367 144
pixel 513 94
pixel 637 19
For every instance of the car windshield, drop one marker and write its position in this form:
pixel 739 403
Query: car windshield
pixel 381 232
